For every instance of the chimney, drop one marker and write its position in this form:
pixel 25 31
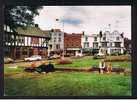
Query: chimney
pixel 83 32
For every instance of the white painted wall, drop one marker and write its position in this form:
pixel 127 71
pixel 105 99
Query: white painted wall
pixel 90 40
pixel 57 35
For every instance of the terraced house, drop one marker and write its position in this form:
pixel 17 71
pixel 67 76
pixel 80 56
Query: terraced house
pixel 26 42
pixel 72 44
pixel 56 43
pixel 109 42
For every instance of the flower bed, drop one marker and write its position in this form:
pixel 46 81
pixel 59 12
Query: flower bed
pixel 64 61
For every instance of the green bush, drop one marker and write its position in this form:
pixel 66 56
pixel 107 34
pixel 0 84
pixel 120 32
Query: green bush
pixel 117 58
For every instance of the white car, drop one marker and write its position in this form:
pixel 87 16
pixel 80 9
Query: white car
pixel 33 58
pixel 100 54
pixel 8 60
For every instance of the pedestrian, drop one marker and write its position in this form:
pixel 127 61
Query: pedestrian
pixel 109 68
pixel 33 65
pixel 101 66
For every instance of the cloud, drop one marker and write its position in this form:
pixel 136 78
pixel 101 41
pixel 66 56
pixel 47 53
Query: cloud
pixel 90 19
pixel 71 21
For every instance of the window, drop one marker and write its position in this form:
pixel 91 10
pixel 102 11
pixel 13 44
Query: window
pixel 110 44
pixel 104 38
pixel 104 44
pixel 59 34
pixel 95 38
pixel 50 46
pixel 117 38
pixel 34 40
pixel 95 45
pixel 117 44
pixel 86 45
pixel 86 38
pixel 57 46
pixel 59 39
pixel 54 39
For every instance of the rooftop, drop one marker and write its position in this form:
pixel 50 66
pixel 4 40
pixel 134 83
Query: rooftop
pixel 33 31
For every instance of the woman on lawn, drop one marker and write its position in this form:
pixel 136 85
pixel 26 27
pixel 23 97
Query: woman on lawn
pixel 101 66
pixel 109 68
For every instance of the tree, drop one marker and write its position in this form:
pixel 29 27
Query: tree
pixel 127 43
pixel 20 16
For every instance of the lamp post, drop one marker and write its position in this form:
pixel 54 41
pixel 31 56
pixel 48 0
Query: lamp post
pixel 63 35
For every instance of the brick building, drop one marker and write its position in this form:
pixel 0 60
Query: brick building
pixel 72 44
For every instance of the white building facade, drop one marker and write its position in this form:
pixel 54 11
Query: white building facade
pixel 56 42
pixel 87 41
pixel 109 43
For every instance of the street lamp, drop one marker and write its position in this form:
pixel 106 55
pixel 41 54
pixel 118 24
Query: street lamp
pixel 63 35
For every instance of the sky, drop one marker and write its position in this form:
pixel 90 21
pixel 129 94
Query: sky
pixel 90 19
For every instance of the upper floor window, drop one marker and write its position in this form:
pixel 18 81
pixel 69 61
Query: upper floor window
pixel 95 45
pixel 86 45
pixel 59 39
pixel 104 38
pixel 50 46
pixel 34 40
pixel 59 34
pixel 117 38
pixel 86 38
pixel 104 44
pixel 54 39
pixel 95 38
pixel 57 46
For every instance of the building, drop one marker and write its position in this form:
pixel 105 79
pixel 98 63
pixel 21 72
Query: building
pixel 26 42
pixel 109 43
pixel 72 44
pixel 87 41
pixel 56 43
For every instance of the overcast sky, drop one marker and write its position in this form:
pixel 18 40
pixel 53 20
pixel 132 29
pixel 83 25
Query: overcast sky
pixel 90 19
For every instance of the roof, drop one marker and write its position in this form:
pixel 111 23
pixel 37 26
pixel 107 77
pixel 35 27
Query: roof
pixel 56 30
pixel 73 34
pixel 33 31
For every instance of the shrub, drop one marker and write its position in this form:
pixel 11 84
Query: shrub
pixel 98 57
pixel 64 61
pixel 117 58
pixel 95 57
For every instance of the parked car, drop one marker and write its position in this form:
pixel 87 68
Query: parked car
pixel 79 55
pixel 53 57
pixel 8 60
pixel 99 56
pixel 33 58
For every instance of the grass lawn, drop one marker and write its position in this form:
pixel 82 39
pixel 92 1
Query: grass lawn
pixel 81 62
pixel 67 84
pixel 89 62
pixel 59 83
